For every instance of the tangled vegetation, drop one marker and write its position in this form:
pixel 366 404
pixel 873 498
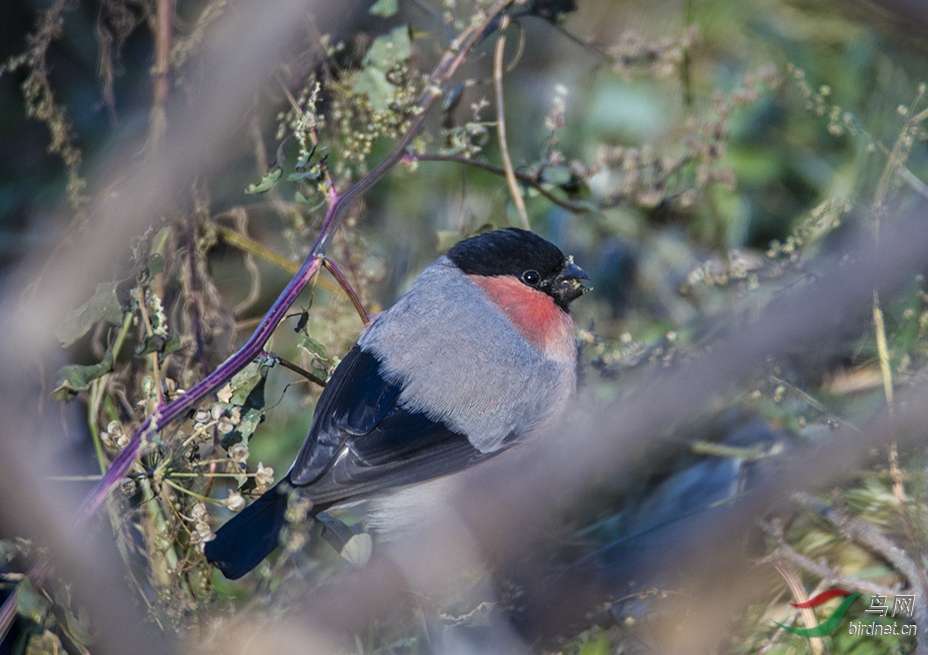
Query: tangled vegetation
pixel 704 167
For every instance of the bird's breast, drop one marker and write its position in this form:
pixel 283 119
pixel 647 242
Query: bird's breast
pixel 460 358
pixel 533 313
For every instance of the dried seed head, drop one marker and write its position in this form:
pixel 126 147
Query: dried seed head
pixel 239 453
pixel 235 501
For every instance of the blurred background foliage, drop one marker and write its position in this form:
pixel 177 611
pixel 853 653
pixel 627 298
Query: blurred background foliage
pixel 691 153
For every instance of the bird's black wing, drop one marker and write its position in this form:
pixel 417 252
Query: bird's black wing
pixel 354 402
pixel 405 448
pixel 363 441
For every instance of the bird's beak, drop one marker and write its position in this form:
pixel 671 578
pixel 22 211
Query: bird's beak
pixel 567 285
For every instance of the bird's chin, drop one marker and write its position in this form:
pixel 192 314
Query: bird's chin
pixel 569 290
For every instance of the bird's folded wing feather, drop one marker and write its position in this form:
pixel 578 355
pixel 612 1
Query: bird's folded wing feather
pixel 363 440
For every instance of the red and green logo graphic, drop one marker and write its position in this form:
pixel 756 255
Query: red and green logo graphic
pixel 828 625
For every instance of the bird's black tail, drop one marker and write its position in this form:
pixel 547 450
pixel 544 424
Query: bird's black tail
pixel 251 535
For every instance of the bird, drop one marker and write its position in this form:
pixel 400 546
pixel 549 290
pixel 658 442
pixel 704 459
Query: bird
pixel 478 355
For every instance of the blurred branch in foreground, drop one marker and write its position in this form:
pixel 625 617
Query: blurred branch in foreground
pixel 240 54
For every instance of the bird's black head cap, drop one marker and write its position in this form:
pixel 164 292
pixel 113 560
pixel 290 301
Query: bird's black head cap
pixel 524 255
pixel 510 251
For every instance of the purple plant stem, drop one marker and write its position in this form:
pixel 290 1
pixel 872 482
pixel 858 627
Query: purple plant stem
pixel 223 372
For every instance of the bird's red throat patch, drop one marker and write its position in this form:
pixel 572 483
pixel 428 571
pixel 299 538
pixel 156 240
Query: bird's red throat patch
pixel 533 313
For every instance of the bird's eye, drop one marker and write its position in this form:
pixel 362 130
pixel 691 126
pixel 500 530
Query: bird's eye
pixel 531 278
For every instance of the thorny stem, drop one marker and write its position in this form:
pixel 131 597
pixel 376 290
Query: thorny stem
pixel 450 62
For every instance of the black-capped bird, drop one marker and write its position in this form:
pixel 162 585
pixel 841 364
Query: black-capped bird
pixel 479 354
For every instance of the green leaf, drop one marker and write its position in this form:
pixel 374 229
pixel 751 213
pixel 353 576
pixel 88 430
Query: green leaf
pixel 305 176
pixel 391 49
pixel 159 343
pixel 267 182
pixel 104 305
pixel 77 627
pixel 313 347
pixel 385 53
pixel 74 378
pixel 153 344
pixel 598 647
pixel 415 33
pixel 303 161
pixel 373 83
pixel 384 8
pixel 155 264
pixel 172 344
pixel 251 419
pixel 246 381
pixel 30 603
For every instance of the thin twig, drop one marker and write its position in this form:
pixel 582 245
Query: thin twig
pixel 248 245
pixel 315 379
pixel 161 71
pixel 883 349
pixel 815 403
pixel 195 299
pixel 524 178
pixel 254 293
pixel 799 594
pixel 867 535
pixel 346 286
pixel 501 123
pixel 785 553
